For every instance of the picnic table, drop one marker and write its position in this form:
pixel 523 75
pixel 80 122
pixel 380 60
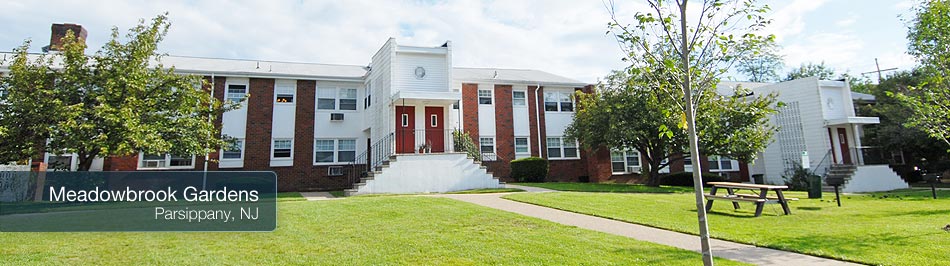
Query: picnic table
pixel 759 195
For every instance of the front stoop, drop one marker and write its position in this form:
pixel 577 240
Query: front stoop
pixel 425 173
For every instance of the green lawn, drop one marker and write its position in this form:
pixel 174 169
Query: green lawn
pixel 395 230
pixel 896 228
pixel 607 187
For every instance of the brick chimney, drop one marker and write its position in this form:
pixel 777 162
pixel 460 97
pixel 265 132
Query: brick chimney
pixel 59 31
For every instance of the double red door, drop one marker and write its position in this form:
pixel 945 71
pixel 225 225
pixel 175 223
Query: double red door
pixel 406 133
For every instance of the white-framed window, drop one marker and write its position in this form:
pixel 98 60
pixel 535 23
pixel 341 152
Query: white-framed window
pixel 236 92
pixel 284 94
pixel 720 164
pixel 326 99
pixel 518 98
pixel 331 98
pixel 624 162
pixel 405 120
pixel 486 144
pixel 347 99
pixel 556 101
pixel 165 161
pixel 282 148
pixel 521 145
pixel 334 150
pixel 434 120
pixel 234 150
pixel 561 148
pixel 484 96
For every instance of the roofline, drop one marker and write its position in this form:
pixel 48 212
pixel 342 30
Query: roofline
pixel 267 61
pixel 271 75
pixel 524 82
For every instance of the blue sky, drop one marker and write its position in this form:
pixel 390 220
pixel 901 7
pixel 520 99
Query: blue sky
pixel 562 37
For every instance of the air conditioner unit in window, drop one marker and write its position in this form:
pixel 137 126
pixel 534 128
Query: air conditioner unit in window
pixel 335 171
pixel 336 117
pixel 633 169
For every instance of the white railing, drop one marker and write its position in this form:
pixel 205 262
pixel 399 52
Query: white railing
pixel 425 140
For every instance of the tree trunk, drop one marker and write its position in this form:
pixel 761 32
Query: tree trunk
pixel 85 161
pixel 654 177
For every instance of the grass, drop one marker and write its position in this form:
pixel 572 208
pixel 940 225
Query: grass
pixel 289 196
pixel 607 187
pixel 896 228
pixel 337 193
pixel 397 230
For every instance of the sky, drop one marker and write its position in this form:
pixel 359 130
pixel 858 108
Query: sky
pixel 564 37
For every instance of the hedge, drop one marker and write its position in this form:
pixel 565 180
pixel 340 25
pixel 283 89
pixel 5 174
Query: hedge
pixel 685 179
pixel 531 169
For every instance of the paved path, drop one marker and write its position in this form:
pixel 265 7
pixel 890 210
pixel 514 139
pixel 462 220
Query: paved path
pixel 317 195
pixel 529 189
pixel 720 248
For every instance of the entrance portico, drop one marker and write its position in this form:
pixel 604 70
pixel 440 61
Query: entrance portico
pixel 424 124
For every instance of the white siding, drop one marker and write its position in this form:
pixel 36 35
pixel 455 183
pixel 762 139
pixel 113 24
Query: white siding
pixel 234 123
pixel 519 114
pixel 556 122
pixel 486 113
pixel 282 124
pixel 436 72
pixel 380 114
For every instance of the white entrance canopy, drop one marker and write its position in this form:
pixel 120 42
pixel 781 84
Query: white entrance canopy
pixel 852 120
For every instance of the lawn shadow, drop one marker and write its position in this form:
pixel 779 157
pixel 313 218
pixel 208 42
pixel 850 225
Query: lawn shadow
pixel 808 208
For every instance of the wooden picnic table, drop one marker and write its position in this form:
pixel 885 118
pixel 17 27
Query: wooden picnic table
pixel 760 198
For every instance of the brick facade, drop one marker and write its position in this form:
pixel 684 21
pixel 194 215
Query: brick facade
pixel 470 110
pixel 504 130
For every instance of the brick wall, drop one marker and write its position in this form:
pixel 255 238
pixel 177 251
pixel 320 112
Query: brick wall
pixel 260 109
pixel 504 131
pixel 470 110
pixel 533 122
pixel 120 163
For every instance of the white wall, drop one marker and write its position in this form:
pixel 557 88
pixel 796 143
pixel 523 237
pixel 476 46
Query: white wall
pixel 436 69
pixel 283 119
pixel 556 122
pixel 486 113
pixel 234 123
pixel 380 114
pixel 429 173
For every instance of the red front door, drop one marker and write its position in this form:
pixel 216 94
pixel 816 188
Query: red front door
pixel 845 151
pixel 405 129
pixel 435 130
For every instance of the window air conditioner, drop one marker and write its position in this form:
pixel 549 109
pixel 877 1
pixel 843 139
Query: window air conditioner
pixel 336 117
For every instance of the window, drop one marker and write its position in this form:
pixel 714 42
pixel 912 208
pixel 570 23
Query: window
pixel 323 151
pixel 166 161
pixel 434 121
pixel 368 100
pixel 487 145
pixel 726 163
pixel 326 99
pixel 558 102
pixel 347 99
pixel 405 120
pixel 562 148
pixel 236 93
pixel 625 161
pixel 521 145
pixel 283 148
pixel 234 150
pixel 346 150
pixel 687 160
pixel 720 163
pixel 484 96
pixel 334 151
pixel 518 98
pixel 284 94
pixel 455 106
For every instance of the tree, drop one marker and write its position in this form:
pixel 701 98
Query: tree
pixel 119 101
pixel 696 53
pixel 626 114
pixel 892 134
pixel 928 41
pixel 762 66
pixel 811 70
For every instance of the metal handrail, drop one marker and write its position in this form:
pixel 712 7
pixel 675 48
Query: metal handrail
pixel 824 165
pixel 375 155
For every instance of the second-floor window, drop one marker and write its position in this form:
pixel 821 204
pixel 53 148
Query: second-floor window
pixel 518 98
pixel 236 93
pixel 558 101
pixel 283 148
pixel 284 94
pixel 336 99
pixel 233 150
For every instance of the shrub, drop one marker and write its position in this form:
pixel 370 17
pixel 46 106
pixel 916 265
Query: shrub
pixel 797 178
pixel 531 169
pixel 685 179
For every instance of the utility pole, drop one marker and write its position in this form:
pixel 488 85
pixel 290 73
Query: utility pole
pixel 879 70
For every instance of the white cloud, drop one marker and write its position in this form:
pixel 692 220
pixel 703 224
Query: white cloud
pixel 836 50
pixel 788 20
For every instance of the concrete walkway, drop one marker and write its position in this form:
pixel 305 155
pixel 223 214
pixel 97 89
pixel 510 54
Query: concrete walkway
pixel 317 195
pixel 723 249
pixel 529 189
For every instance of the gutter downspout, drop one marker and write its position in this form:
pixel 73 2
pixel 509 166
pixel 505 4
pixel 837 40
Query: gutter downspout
pixel 537 117
pixel 204 180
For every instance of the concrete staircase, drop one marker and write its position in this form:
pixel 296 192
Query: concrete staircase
pixel 866 178
pixel 845 171
pixel 425 173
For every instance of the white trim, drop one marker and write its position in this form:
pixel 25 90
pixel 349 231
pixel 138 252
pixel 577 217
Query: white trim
pixel 525 99
pixel 272 149
pixel 336 150
pixel 221 152
pixel 626 165
pixel 494 147
pixel 562 148
pixel 527 145
pixel 491 96
pixel 293 93
pixel 337 99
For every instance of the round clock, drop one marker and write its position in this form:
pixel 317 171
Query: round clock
pixel 420 72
